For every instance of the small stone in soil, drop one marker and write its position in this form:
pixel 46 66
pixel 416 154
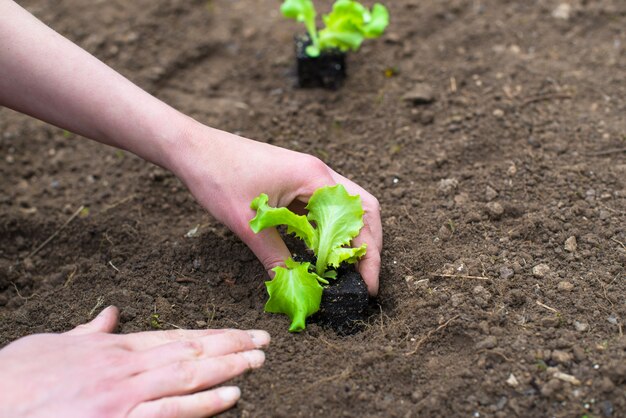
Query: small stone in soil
pixel 487 343
pixel 446 186
pixel 565 286
pixel 562 357
pixel 570 244
pixel 421 93
pixel 541 271
pixel 506 273
pixel 495 210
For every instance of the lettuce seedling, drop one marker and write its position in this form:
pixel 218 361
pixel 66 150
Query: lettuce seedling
pixel 333 220
pixel 347 25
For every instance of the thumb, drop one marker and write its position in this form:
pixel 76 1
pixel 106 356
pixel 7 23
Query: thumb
pixel 268 247
pixel 106 321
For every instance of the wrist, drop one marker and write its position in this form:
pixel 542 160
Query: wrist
pixel 191 152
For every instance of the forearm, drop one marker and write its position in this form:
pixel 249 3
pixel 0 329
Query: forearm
pixel 47 76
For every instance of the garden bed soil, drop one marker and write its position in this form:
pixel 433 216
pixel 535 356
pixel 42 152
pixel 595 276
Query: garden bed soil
pixel 493 133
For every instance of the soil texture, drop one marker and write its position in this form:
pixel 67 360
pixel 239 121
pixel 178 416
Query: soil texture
pixel 493 134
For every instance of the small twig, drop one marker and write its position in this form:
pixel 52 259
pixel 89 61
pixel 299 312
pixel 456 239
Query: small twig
pixel 212 315
pixel 544 97
pixel 605 152
pixel 331 345
pixel 20 295
pixel 496 353
pixel 112 265
pixel 619 242
pixel 70 277
pixel 408 215
pixel 459 276
pixel 343 375
pixel 547 307
pixel 51 237
pixel 452 84
pixel 619 212
pixel 99 303
pixel 185 279
pixel 603 285
pixel 430 333
pixel 119 202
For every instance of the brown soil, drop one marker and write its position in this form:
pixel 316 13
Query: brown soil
pixel 521 149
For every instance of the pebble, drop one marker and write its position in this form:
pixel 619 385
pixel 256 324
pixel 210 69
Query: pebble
pixel 421 93
pixel 570 244
pixel 457 299
pixel 581 326
pixel 506 273
pixel 550 322
pixel 512 381
pixel 562 357
pixel 29 265
pixel 446 186
pixel 550 388
pixel 473 217
pixel 498 113
pixel 461 199
pixel 481 296
pixel 488 343
pixel 562 12
pixel 541 271
pixel 579 353
pixel 490 193
pixel 565 286
pixel 495 209
pixel 414 283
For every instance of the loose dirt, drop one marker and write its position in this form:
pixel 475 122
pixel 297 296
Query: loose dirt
pixel 502 179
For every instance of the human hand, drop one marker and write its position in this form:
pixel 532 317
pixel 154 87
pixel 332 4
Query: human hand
pixel 88 372
pixel 226 172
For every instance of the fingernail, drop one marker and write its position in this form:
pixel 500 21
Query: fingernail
pixel 229 394
pixel 255 358
pixel 259 338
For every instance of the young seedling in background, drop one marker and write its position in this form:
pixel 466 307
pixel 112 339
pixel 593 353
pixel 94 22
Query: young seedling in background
pixel 321 54
pixel 347 25
pixel 337 218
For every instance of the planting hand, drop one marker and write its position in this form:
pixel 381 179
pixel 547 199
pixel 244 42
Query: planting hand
pixel 224 172
pixel 88 372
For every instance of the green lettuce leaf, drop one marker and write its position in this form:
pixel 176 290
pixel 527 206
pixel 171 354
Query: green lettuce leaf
pixel 303 11
pixel 267 217
pixel 350 23
pixel 334 219
pixel 338 218
pixel 294 292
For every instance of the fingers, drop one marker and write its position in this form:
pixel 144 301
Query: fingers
pixel 150 339
pixel 369 265
pixel 201 404
pixel 209 346
pixel 371 234
pixel 106 321
pixel 268 247
pixel 190 376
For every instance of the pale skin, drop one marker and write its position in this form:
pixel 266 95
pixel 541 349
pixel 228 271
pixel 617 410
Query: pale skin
pixel 224 172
